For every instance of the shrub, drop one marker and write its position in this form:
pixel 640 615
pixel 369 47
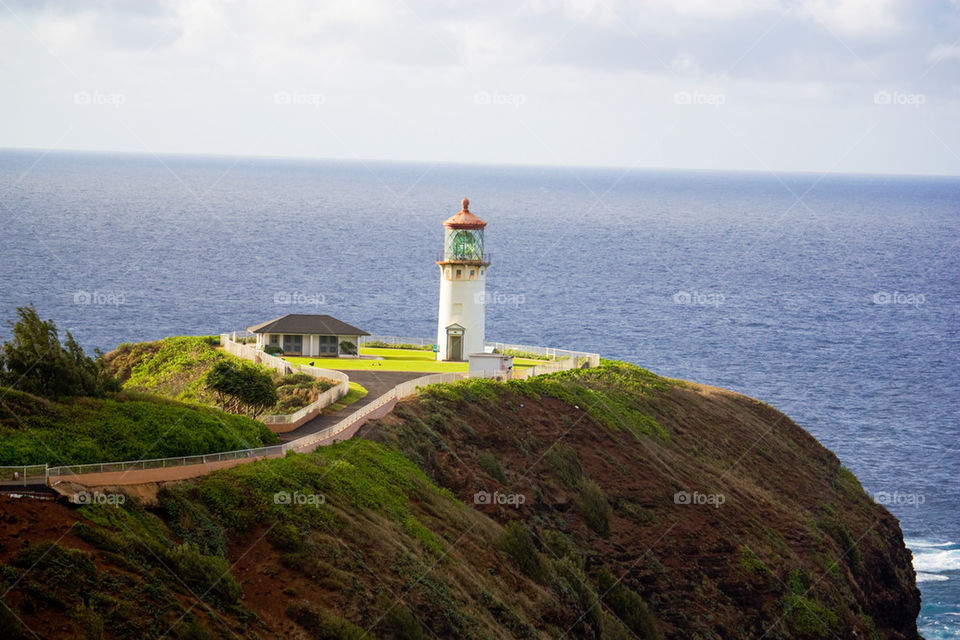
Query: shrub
pixel 88 624
pixel 751 563
pixel 490 463
pixel 565 464
pixel 321 623
pixel 592 502
pixel 207 574
pixel 808 618
pixel 242 385
pixel 628 606
pixel 399 622
pixel 348 347
pixel 273 350
pixel 517 543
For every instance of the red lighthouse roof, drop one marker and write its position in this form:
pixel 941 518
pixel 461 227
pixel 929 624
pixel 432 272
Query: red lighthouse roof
pixel 464 219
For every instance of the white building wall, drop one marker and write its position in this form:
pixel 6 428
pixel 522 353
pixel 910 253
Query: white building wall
pixel 462 302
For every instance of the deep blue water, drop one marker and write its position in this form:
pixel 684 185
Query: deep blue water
pixel 835 299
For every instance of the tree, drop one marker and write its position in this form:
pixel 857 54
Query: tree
pixel 242 387
pixel 34 361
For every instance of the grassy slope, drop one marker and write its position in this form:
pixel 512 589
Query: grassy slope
pixel 129 426
pixel 175 368
pixel 599 550
pixel 797 549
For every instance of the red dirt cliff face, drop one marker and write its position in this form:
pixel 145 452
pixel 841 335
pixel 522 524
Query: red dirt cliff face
pixel 784 542
pixel 604 503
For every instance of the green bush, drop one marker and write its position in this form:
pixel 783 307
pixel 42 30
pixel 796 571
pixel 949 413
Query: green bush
pixel 490 463
pixel 751 563
pixel 273 350
pixel 592 502
pixel 401 624
pixel 321 623
pixel 628 606
pixel 206 574
pixel 563 460
pixel 807 618
pixel 242 387
pixel 348 347
pixel 517 543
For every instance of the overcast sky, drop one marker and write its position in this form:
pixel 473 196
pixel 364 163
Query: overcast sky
pixel 810 85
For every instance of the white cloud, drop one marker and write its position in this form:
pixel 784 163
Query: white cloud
pixel 944 52
pixel 859 18
pixel 398 80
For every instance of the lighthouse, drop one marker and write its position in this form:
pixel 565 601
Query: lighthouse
pixel 463 269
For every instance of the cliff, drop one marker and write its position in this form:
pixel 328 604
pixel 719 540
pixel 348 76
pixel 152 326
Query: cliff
pixel 600 503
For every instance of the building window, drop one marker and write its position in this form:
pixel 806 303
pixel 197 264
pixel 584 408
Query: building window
pixel 274 339
pixel 293 343
pixel 481 271
pixel 328 344
pixel 473 272
pixel 459 272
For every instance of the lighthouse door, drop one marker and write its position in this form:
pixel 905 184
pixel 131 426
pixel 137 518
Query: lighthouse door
pixel 454 347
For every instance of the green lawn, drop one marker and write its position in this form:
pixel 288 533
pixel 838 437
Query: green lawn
pixel 356 392
pixel 397 360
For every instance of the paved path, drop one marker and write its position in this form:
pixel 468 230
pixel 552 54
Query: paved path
pixel 376 383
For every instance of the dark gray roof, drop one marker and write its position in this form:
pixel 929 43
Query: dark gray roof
pixel 307 323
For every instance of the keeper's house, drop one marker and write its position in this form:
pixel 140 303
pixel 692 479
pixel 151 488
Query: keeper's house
pixel 302 334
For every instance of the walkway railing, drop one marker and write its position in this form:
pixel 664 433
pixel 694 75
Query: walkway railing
pixel 163 463
pixel 23 475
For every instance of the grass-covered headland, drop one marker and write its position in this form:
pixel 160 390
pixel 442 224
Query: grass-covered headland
pixel 541 508
pixel 60 406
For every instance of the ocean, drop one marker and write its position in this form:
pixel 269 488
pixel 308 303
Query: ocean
pixel 834 298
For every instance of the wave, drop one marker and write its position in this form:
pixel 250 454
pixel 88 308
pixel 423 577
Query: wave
pixel 933 558
pixel 930 577
pixel 924 544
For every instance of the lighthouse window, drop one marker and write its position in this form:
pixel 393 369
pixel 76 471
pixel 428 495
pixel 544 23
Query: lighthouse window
pixel 459 272
pixel 481 271
pixel 448 273
pixel 473 272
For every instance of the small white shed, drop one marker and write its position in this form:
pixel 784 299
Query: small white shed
pixel 490 365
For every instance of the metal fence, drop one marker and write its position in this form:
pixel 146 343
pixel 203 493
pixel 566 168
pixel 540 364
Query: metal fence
pixel 23 475
pixel 163 463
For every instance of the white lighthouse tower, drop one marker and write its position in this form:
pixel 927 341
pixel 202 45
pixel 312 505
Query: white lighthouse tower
pixel 463 269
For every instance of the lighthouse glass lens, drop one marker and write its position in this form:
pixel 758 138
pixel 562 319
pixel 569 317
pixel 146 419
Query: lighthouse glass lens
pixel 464 244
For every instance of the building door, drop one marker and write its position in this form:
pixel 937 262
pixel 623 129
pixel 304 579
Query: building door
pixel 454 347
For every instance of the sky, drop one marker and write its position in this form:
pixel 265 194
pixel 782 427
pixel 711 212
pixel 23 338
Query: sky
pixel 865 86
